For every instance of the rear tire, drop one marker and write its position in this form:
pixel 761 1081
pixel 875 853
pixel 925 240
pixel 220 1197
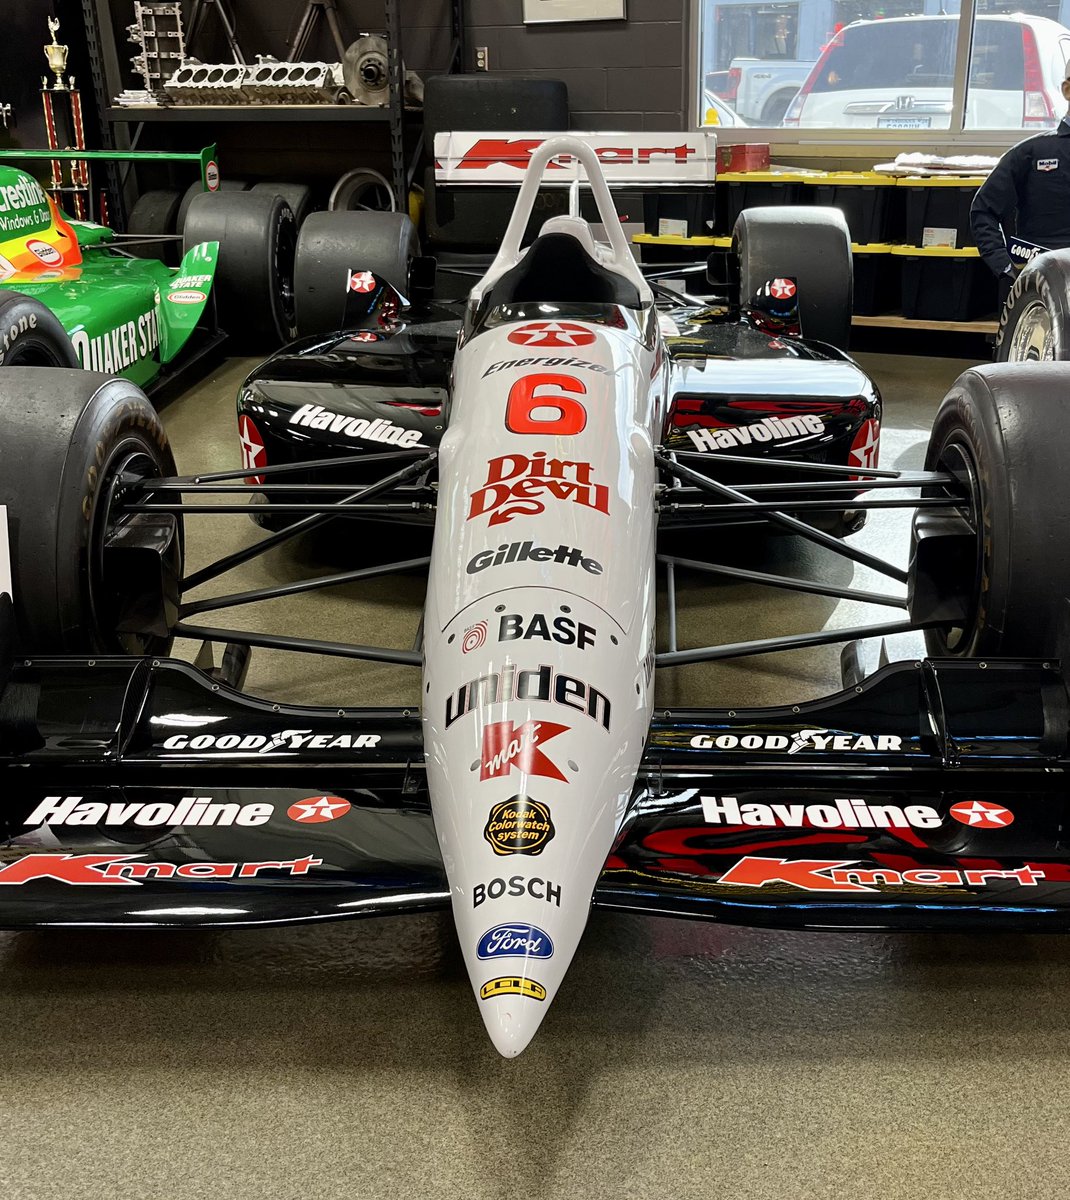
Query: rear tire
pixel 31 335
pixel 155 214
pixel 333 243
pixel 67 437
pixel 810 245
pixel 257 236
pixel 998 431
pixel 195 189
pixel 296 195
pixel 1034 325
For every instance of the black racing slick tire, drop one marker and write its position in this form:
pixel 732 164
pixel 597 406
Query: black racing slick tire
pixel 331 244
pixel 810 245
pixel 1034 324
pixel 296 195
pixel 197 189
pixel 31 335
pixel 1001 557
pixel 257 236
pixel 155 214
pixel 71 441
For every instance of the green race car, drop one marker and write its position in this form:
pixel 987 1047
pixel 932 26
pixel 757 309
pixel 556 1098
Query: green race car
pixel 71 293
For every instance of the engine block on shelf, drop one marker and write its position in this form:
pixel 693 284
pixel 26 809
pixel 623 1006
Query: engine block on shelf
pixel 267 82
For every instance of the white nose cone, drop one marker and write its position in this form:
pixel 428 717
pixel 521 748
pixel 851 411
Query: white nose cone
pixel 513 1007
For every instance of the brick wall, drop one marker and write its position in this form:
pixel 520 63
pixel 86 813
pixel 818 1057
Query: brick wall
pixel 620 74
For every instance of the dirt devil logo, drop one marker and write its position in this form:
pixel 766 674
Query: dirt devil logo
pixel 515 484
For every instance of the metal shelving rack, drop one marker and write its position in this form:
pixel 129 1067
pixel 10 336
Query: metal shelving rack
pixel 104 65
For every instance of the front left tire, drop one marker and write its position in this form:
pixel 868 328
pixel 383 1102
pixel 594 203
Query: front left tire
pixel 88 576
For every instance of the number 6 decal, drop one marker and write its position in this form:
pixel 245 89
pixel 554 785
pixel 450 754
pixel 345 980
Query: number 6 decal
pixel 570 418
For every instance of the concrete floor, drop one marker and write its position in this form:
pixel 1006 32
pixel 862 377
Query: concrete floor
pixel 682 1060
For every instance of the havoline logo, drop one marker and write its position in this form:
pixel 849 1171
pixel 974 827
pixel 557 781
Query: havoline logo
pixel 835 814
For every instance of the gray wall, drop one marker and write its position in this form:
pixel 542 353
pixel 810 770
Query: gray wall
pixel 620 74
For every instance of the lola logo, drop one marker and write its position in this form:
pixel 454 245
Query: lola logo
pixel 515 484
pixel 474 637
pixel 360 281
pixel 515 940
pixel 508 747
pixel 551 333
pixel 512 987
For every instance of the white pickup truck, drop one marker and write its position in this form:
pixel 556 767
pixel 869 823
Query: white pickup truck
pixel 759 90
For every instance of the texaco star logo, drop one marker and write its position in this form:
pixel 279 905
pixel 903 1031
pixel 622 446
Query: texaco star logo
pixel 982 814
pixel 866 446
pixel 782 289
pixel 317 809
pixel 361 281
pixel 253 454
pixel 552 333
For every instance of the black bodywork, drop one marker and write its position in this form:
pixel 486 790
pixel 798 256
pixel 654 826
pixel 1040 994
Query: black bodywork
pixel 738 392
pixel 135 745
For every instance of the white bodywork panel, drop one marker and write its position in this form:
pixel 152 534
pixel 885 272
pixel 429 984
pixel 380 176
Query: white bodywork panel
pixel 538 638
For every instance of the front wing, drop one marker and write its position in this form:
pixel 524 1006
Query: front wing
pixel 139 792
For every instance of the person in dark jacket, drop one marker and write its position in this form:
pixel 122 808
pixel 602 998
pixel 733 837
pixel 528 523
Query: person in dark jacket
pixel 1032 179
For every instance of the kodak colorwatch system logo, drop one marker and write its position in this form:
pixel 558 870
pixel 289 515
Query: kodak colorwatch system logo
pixel 519 826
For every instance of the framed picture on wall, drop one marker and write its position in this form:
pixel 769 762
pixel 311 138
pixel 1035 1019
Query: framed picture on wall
pixel 541 12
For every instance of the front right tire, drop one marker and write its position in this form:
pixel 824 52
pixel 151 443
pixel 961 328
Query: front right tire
pixel 1000 557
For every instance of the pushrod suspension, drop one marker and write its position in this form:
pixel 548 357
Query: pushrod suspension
pixel 836 545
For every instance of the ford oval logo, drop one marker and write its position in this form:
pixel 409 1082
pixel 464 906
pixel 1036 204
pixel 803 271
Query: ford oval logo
pixel 515 940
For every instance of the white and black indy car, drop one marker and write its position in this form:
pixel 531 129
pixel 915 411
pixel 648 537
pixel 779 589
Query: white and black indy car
pixel 539 776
